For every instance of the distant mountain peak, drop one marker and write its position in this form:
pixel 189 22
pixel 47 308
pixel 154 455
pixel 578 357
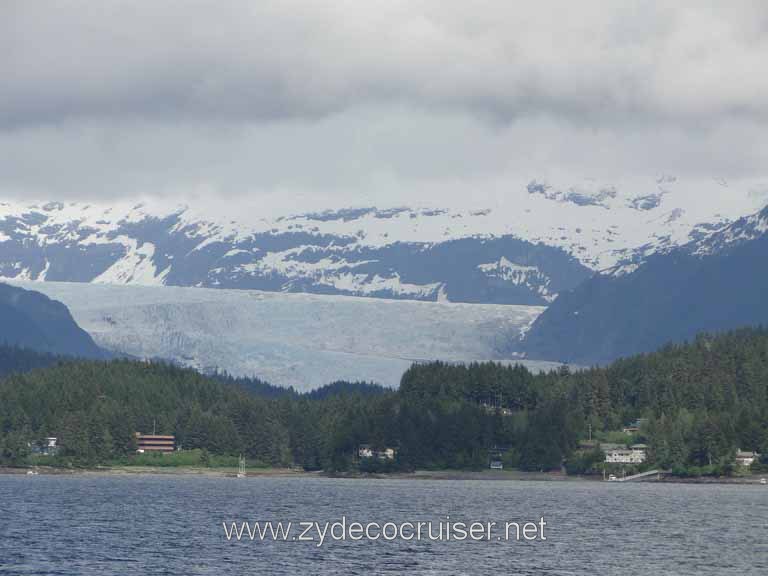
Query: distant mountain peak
pixel 563 230
pixel 716 282
pixel 743 230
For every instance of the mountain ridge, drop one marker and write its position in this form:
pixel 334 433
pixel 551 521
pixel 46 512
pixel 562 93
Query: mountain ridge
pixel 714 283
pixel 525 247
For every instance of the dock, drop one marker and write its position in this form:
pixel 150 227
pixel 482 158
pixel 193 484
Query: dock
pixel 642 475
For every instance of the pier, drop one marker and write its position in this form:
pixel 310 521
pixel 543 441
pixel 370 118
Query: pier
pixel 641 476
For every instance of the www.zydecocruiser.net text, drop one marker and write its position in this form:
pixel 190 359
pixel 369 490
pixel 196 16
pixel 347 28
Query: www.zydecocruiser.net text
pixel 343 530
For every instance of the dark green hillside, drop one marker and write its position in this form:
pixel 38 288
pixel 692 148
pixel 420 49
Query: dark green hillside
pixel 699 403
pixel 94 408
pixel 15 359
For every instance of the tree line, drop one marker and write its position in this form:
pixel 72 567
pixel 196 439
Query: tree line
pixel 700 401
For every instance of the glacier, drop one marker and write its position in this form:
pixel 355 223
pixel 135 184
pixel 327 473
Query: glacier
pixel 299 340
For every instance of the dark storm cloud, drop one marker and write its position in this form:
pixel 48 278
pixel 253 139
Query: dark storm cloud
pixel 112 96
pixel 252 61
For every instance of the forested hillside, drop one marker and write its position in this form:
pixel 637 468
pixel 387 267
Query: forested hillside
pixel 16 359
pixel 702 401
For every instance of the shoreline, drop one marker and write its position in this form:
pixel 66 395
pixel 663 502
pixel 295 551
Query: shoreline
pixel 154 471
pixel 446 475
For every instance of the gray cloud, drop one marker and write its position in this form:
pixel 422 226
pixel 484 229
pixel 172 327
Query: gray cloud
pixel 252 61
pixel 114 97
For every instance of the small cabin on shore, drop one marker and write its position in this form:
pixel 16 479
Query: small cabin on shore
pixel 635 426
pixel 366 452
pixel 47 447
pixel 746 459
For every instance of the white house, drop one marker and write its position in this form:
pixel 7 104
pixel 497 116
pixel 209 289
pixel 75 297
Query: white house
pixel 47 447
pixel 50 446
pixel 746 458
pixel 365 451
pixel 634 455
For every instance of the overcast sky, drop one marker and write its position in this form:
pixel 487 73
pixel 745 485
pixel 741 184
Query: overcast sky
pixel 359 101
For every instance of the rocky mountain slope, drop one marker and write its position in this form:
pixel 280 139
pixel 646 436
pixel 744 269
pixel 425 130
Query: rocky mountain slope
pixel 715 283
pixel 31 320
pixel 523 246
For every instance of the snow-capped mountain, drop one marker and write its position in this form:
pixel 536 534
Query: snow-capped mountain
pixel 521 246
pixel 716 282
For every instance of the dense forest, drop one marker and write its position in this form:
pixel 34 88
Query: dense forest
pixel 699 403
pixel 17 359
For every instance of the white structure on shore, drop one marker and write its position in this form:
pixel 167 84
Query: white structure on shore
pixel 366 451
pixel 634 455
pixel 746 459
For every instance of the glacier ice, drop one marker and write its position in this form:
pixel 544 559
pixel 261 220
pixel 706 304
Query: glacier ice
pixel 298 340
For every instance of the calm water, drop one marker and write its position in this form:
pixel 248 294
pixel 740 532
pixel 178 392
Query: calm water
pixel 172 525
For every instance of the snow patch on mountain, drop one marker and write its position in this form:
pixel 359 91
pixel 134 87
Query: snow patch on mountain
pixel 366 285
pixel 44 273
pixel 580 196
pixel 391 251
pixel 285 263
pixel 518 275
pixel 743 230
pixel 136 267
pixel 646 202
